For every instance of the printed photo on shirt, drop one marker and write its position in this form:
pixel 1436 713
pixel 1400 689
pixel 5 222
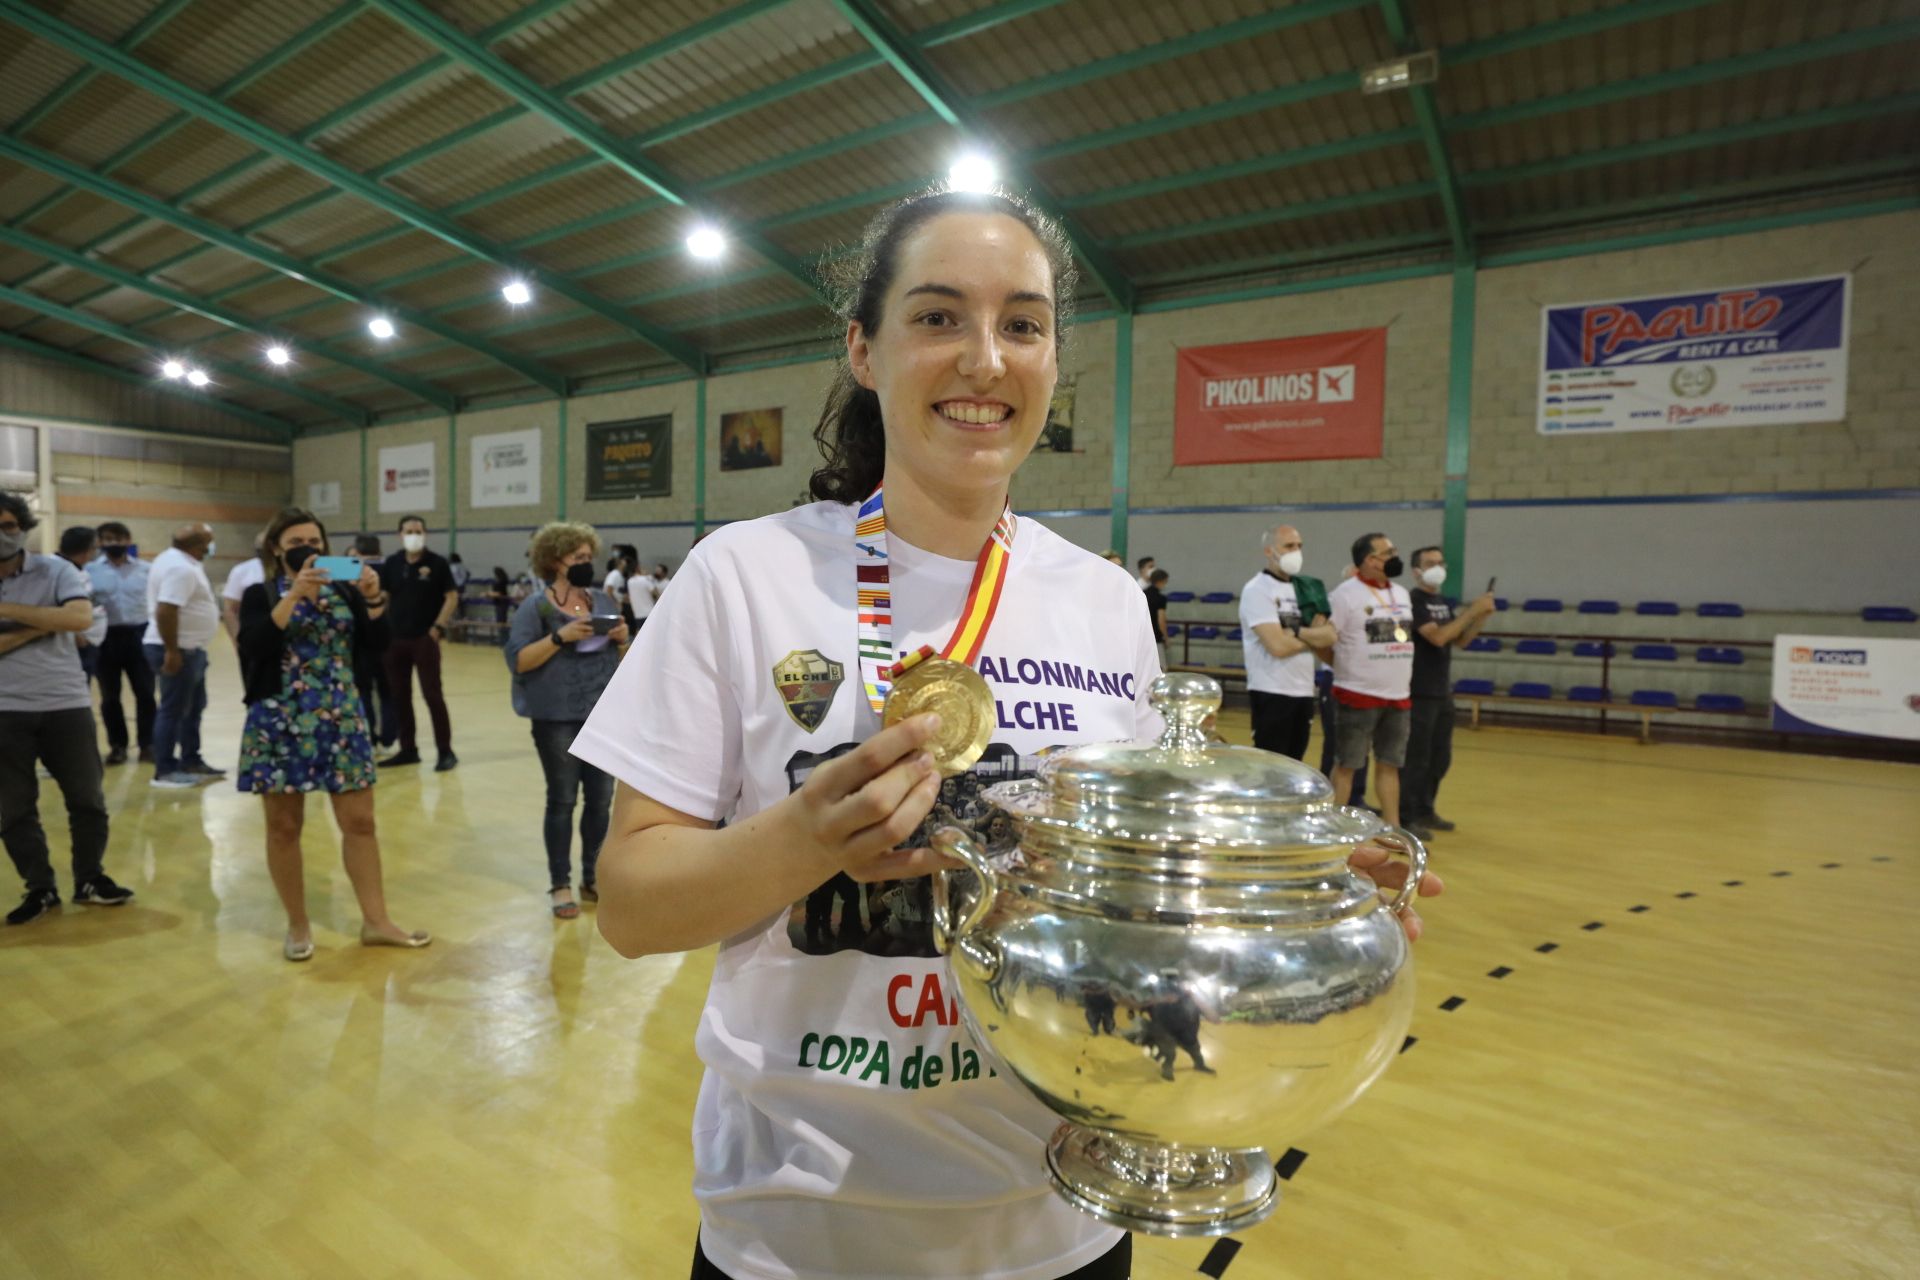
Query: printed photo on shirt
pixel 895 917
pixel 1381 629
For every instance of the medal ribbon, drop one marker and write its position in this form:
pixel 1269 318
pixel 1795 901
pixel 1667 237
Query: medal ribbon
pixel 874 597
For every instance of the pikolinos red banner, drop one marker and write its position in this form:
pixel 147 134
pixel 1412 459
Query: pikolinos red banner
pixel 1282 400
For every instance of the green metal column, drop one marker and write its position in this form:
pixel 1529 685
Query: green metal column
pixel 699 456
pixel 1122 428
pixel 1453 537
pixel 453 487
pixel 363 481
pixel 562 481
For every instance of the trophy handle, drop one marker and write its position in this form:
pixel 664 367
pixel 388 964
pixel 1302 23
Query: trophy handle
pixel 1416 852
pixel 947 929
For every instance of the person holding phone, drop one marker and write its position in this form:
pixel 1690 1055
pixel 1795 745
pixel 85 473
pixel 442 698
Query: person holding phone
pixel 304 632
pixel 562 649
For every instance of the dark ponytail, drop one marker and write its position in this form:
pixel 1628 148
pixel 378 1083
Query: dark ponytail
pixel 850 434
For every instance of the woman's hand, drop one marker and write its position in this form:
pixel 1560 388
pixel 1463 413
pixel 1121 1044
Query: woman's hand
pixel 369 582
pixel 1376 862
pixel 852 813
pixel 620 634
pixel 307 583
pixel 577 630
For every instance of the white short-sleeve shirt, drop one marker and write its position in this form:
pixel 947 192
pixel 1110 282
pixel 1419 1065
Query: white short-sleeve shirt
pixel 1374 652
pixel 1267 600
pixel 248 573
pixel 827 1146
pixel 180 580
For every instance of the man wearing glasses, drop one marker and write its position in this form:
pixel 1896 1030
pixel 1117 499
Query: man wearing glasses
pixel 46 713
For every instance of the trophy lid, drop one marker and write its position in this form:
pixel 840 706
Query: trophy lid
pixel 1186 793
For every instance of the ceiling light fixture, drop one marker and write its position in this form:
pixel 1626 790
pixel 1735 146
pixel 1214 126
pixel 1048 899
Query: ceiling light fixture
pixel 278 356
pixel 197 378
pixel 973 171
pixel 380 327
pixel 516 293
pixel 1401 73
pixel 173 369
pixel 706 243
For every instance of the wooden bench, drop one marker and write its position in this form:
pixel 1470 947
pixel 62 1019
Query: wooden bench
pixel 1646 714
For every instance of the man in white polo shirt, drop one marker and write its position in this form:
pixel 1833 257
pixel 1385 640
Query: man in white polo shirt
pixel 1283 625
pixel 182 621
pixel 1372 672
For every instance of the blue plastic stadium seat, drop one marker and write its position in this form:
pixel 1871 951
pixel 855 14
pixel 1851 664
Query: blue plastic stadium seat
pixel 1599 606
pixel 1173 629
pixel 1888 613
pixel 1179 597
pixel 1203 633
pixel 1722 610
pixel 1656 653
pixel 1655 698
pixel 1657 609
pixel 1236 634
pixel 1484 644
pixel 1234 666
pixel 1217 597
pixel 1723 655
pixel 1588 693
pixel 1473 686
pixel 1593 649
pixel 1500 604
pixel 1529 689
pixel 1542 606
pixel 1537 646
pixel 1720 702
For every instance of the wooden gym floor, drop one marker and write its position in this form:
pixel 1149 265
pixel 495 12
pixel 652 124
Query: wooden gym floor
pixel 1668 1022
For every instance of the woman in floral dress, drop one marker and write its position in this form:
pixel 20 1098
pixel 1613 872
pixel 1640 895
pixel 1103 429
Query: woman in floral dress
pixel 302 637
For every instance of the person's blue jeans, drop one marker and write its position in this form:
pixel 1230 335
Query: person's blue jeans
pixel 183 700
pixel 566 776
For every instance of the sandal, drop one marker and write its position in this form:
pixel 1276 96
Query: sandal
pixel 564 910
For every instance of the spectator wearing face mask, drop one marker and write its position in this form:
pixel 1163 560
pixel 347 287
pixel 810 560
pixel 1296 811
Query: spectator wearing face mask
pixel 76 548
pixel 1439 626
pixel 120 584
pixel 420 583
pixel 1372 672
pixel 1156 594
pixel 1284 626
pixel 561 659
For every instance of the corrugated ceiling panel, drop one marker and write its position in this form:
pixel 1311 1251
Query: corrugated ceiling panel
pixel 466 278
pixel 409 252
pixel 22 188
pixel 277 294
pixel 15 263
pixel 255 194
pixel 584 35
pixel 799 37
pixel 1445 24
pixel 1416 219
pixel 802 120
pixel 104 19
pixel 29 71
pixel 181 159
pixel 643 232
pixel 766 331
pixel 551 204
pixel 531 341
pixel 440 105
pixel 517 149
pixel 80 219
pixel 355 60
pixel 212 41
pixel 702 309
pixel 102 117
pixel 147 244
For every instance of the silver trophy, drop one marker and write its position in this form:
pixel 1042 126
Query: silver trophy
pixel 1165 945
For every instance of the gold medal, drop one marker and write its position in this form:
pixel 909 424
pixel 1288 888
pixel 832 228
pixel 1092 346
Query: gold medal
pixel 955 692
pixel 1400 634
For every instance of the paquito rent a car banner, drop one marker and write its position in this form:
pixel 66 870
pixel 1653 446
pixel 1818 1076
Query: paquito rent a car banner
pixel 1847 685
pixel 1756 355
pixel 1282 400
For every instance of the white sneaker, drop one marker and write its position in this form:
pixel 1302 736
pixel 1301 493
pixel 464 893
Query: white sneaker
pixel 177 781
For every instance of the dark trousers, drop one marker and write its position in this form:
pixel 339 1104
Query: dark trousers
pixel 183 700
pixel 1115 1264
pixel 1429 756
pixel 377 701
pixel 120 654
pixel 404 657
pixel 1329 712
pixel 1282 723
pixel 66 741
pixel 567 775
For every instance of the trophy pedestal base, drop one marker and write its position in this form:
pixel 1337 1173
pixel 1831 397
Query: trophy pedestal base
pixel 1160 1189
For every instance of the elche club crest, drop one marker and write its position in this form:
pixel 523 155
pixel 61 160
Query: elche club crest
pixel 807 680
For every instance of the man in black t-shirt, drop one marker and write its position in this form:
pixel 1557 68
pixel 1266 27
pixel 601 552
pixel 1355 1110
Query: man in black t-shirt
pixel 1157 610
pixel 422 600
pixel 1439 624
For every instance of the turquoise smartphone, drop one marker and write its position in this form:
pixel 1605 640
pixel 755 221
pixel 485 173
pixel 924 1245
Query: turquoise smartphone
pixel 338 568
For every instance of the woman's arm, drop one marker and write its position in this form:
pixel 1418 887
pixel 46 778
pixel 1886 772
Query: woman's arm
pixel 669 881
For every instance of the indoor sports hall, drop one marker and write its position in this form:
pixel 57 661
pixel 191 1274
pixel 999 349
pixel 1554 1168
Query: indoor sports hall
pixel 595 432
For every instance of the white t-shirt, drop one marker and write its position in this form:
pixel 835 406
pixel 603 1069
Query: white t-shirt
pixel 616 583
pixel 1267 600
pixel 644 589
pixel 180 580
pixel 1374 653
pixel 248 573
pixel 881 1170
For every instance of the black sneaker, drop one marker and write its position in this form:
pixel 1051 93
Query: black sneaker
pixel 399 758
pixel 117 756
pixel 1438 823
pixel 36 904
pixel 447 761
pixel 201 769
pixel 102 891
pixel 1420 830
